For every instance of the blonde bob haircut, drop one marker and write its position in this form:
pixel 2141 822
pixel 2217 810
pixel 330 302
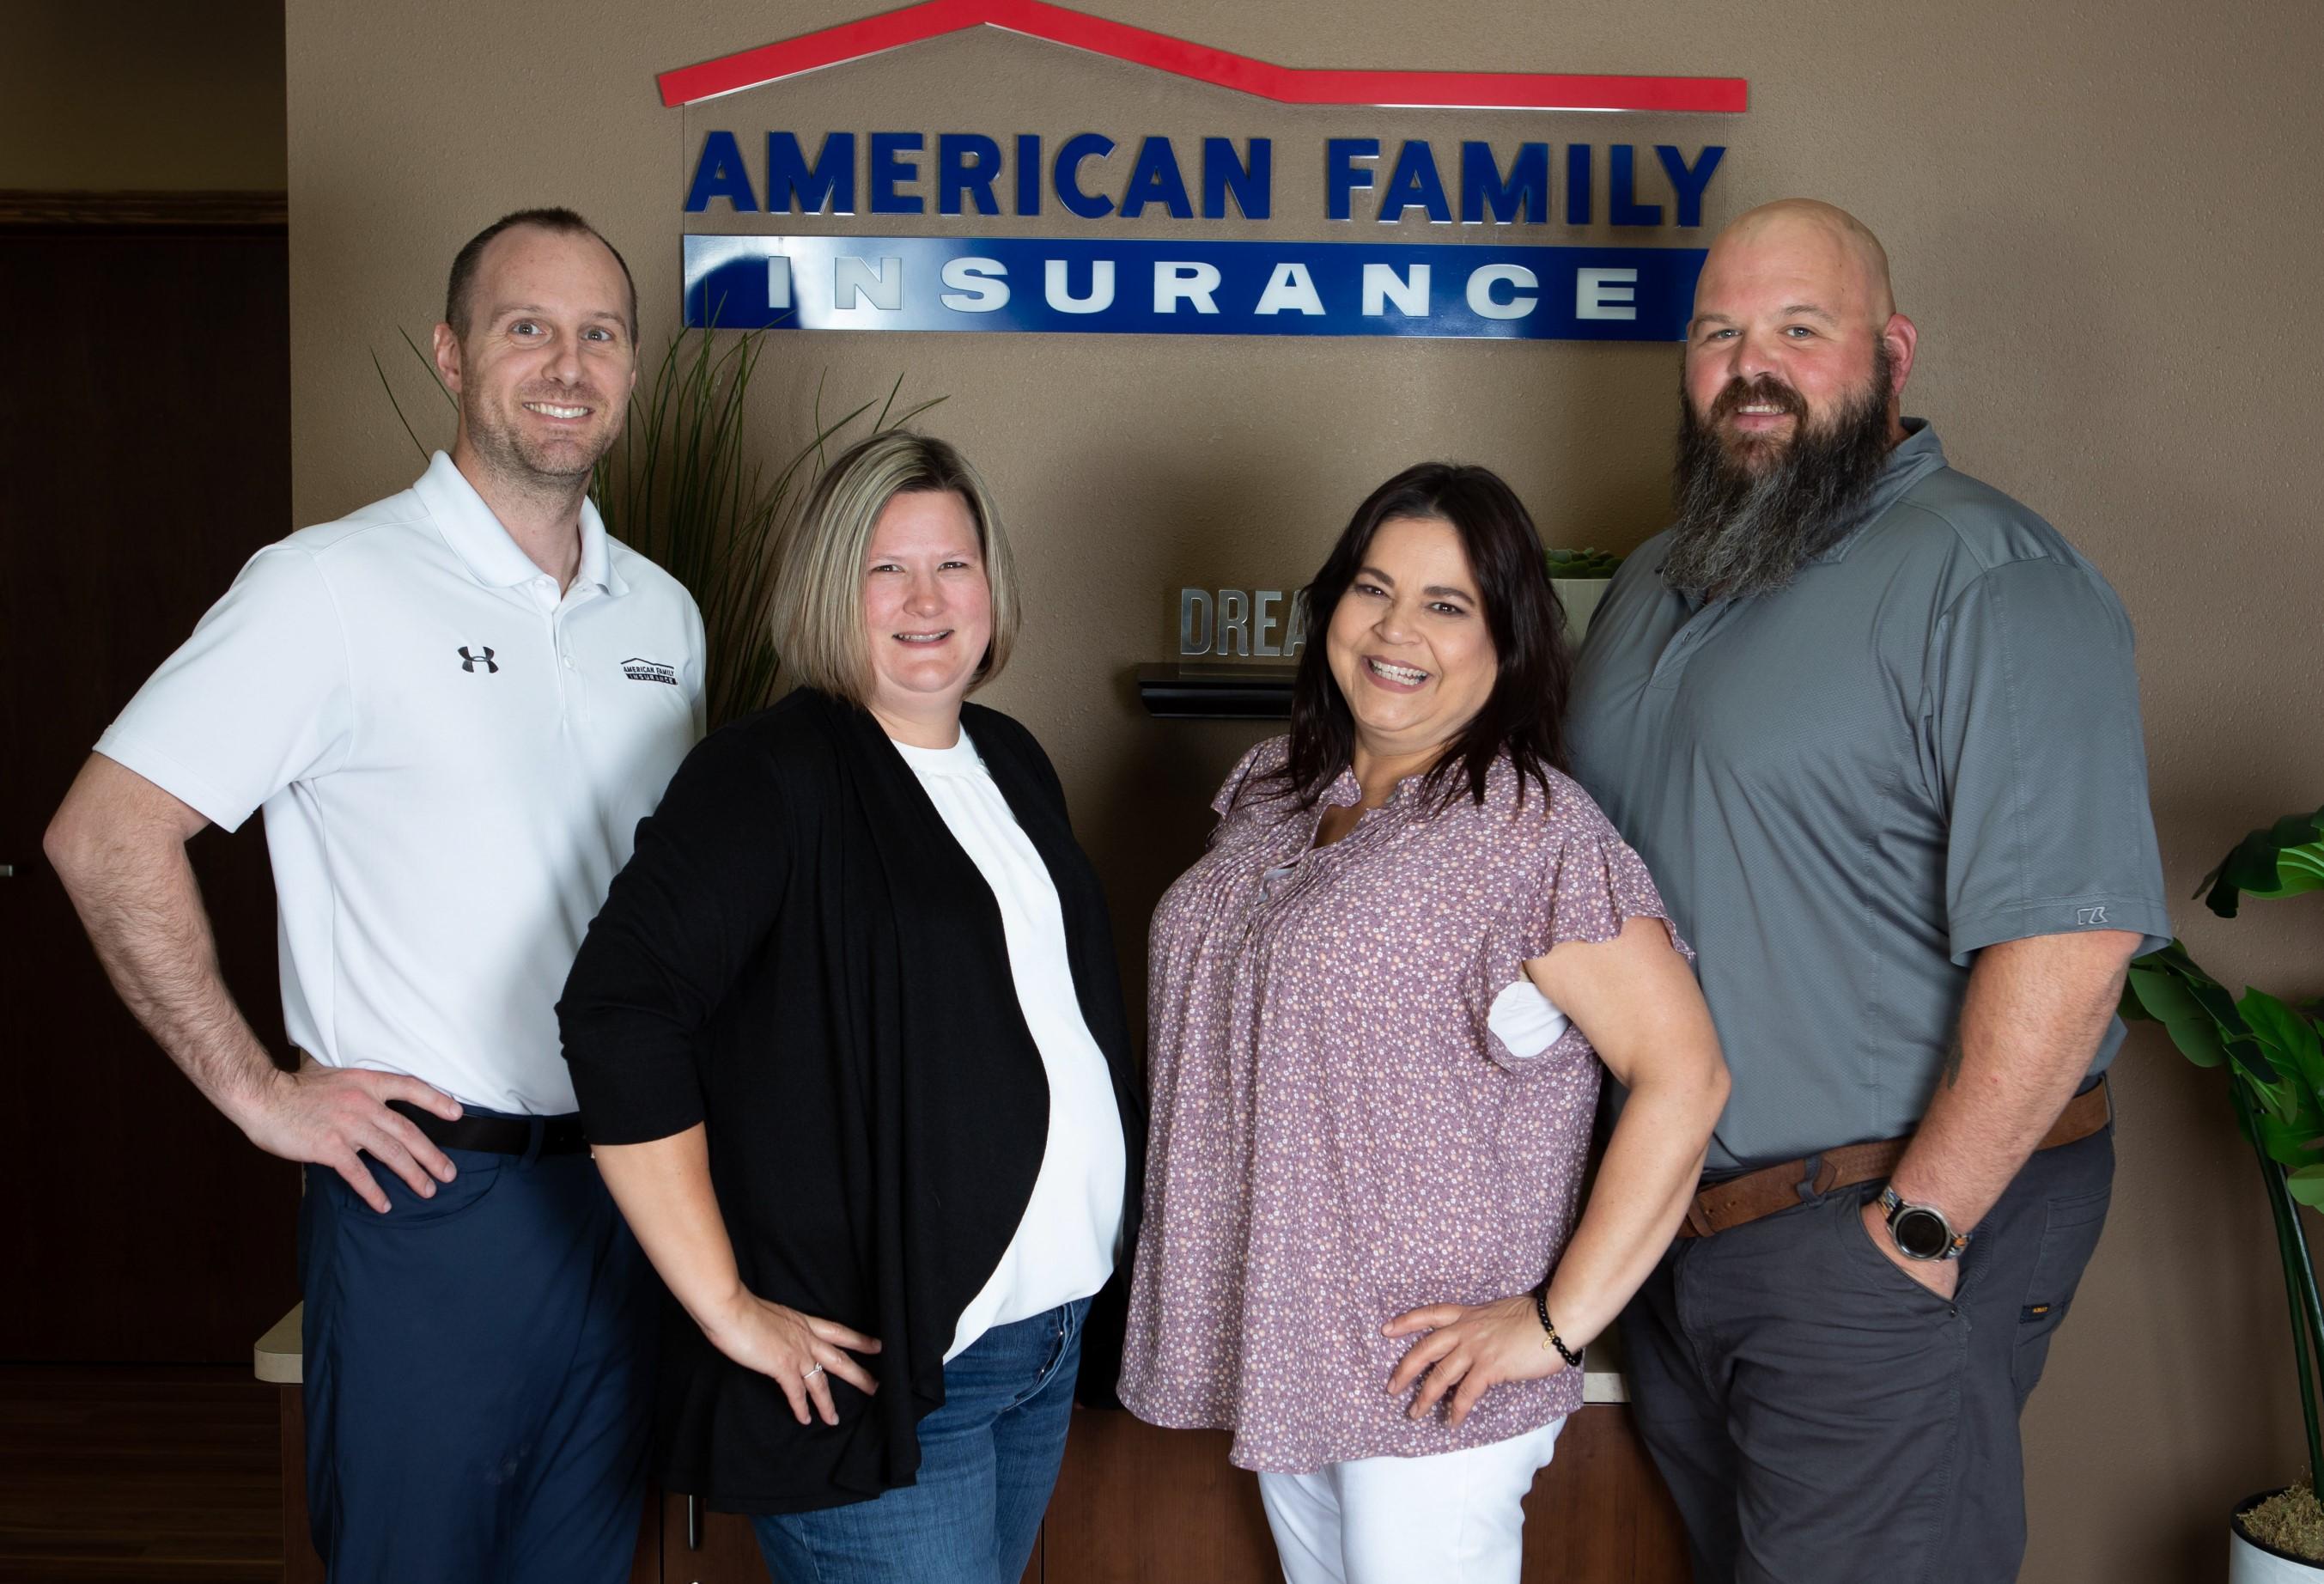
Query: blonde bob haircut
pixel 817 607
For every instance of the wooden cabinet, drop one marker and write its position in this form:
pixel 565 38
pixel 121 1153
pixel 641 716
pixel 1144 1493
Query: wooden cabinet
pixel 707 1548
pixel 1140 1506
pixel 718 1548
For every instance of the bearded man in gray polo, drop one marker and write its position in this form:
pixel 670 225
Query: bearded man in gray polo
pixel 1874 725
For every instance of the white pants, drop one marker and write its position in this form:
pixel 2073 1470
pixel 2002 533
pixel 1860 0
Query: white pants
pixel 1452 1518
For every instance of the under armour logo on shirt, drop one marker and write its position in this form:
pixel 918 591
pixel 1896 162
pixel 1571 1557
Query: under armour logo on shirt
pixel 468 662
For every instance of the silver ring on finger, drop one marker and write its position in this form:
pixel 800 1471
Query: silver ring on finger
pixel 809 1373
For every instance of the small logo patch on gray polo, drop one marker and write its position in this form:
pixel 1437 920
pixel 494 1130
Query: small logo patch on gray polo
pixel 2090 915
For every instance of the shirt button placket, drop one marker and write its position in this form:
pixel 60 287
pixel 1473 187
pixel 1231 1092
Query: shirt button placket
pixel 546 598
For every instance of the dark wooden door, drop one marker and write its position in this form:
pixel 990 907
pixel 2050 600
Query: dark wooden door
pixel 145 454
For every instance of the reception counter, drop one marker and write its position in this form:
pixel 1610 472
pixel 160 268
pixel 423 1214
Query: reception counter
pixel 1140 1506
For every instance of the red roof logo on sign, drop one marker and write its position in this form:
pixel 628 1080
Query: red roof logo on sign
pixel 1289 85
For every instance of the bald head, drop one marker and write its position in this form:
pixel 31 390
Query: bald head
pixel 1825 252
pixel 1817 241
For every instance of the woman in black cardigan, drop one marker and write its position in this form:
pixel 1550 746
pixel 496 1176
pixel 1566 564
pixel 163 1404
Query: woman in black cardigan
pixel 850 1047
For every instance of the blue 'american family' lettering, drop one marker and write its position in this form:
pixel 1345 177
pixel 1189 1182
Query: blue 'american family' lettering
pixel 1092 177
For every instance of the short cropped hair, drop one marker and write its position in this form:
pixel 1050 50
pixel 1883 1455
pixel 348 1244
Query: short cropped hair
pixel 817 608
pixel 462 286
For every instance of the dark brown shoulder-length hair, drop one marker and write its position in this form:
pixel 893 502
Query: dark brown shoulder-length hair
pixel 1524 717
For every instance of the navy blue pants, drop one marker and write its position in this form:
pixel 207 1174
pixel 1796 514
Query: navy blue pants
pixel 478 1375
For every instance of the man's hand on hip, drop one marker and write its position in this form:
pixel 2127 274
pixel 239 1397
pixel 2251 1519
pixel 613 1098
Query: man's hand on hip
pixel 323 1115
pixel 1940 1276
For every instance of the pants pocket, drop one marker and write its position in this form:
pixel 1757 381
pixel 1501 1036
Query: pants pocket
pixel 474 1174
pixel 1871 1266
pixel 2070 1236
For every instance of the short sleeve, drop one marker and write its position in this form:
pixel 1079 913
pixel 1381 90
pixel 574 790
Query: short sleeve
pixel 1251 764
pixel 1593 884
pixel 2033 732
pixel 258 697
pixel 1586 887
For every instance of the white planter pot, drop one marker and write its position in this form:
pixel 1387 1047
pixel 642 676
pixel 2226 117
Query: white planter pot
pixel 1580 595
pixel 2249 1562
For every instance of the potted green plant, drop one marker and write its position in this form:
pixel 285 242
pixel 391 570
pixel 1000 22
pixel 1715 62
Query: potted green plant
pixel 2272 1053
pixel 1580 578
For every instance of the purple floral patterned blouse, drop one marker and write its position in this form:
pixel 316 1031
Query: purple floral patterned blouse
pixel 1338 1135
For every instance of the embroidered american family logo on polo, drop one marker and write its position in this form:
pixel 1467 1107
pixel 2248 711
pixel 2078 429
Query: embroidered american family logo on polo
pixel 649 671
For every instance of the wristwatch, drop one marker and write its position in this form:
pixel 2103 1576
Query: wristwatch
pixel 1921 1231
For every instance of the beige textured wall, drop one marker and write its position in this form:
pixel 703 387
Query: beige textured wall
pixel 2103 222
pixel 142 94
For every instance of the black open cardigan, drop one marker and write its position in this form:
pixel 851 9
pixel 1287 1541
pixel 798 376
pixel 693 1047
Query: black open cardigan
pixel 801 956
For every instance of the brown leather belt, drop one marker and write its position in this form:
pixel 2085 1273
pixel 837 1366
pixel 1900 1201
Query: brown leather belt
pixel 1741 1200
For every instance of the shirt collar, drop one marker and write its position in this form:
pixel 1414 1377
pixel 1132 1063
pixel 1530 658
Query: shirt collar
pixel 491 557
pixel 1919 454
pixel 1346 791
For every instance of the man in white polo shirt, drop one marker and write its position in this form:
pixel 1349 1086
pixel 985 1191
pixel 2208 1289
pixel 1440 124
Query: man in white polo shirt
pixel 454 707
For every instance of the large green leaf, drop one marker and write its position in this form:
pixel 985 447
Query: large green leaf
pixel 2307 1186
pixel 2170 1000
pixel 2290 1039
pixel 2196 1010
pixel 2274 1054
pixel 2283 860
pixel 2292 1142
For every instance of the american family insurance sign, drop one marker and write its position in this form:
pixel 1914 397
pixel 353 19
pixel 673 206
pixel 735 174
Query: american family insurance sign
pixel 1350 209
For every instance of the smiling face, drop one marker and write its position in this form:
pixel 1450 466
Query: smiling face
pixel 1408 644
pixel 927 615
pixel 544 367
pixel 1791 305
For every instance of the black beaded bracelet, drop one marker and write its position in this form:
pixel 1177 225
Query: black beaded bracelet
pixel 1551 1339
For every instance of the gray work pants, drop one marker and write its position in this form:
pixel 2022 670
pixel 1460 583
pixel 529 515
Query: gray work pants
pixel 1819 1416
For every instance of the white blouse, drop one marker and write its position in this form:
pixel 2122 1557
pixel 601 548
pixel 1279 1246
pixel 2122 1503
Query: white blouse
pixel 1064 1247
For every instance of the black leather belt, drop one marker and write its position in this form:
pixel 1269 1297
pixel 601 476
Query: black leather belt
pixel 499 1135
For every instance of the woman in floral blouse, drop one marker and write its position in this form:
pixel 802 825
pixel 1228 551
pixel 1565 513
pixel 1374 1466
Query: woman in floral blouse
pixel 1380 1004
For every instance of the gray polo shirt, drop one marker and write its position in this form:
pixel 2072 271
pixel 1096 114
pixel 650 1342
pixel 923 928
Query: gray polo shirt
pixel 1928 743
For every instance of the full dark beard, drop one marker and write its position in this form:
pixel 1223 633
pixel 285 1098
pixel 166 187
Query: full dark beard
pixel 1741 532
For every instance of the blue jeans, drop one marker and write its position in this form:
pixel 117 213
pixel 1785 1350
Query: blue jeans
pixel 988 1461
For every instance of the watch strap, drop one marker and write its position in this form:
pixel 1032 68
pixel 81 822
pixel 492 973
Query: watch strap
pixel 1893 1205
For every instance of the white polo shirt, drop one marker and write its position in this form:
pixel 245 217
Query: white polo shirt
pixel 453 759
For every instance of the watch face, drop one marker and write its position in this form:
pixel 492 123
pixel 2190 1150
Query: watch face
pixel 1920 1233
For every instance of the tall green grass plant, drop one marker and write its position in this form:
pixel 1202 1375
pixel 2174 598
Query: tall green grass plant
pixel 688 486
